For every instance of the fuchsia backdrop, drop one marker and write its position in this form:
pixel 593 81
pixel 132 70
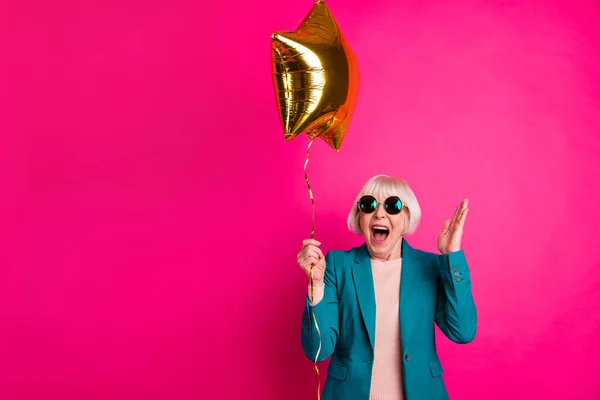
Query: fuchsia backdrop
pixel 151 211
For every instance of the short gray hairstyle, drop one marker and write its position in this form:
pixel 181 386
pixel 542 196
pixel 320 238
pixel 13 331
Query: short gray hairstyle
pixel 385 186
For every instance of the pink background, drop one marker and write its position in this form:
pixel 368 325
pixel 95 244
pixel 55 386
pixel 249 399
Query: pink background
pixel 151 211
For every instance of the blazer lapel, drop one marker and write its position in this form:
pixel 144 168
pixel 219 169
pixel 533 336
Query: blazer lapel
pixel 409 291
pixel 365 290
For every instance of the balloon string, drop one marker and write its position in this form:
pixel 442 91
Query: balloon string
pixel 312 288
pixel 312 199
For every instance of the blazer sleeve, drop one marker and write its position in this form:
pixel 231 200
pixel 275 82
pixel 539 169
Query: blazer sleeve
pixel 325 314
pixel 455 314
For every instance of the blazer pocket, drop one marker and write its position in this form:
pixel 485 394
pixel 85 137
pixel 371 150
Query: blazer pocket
pixel 337 371
pixel 436 368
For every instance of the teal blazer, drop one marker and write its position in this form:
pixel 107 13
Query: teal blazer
pixel 433 288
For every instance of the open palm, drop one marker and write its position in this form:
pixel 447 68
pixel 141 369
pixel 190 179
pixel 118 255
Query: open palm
pixel 449 239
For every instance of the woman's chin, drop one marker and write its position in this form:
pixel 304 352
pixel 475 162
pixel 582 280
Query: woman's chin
pixel 380 248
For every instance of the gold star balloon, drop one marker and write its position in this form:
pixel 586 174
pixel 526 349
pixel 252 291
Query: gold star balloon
pixel 316 78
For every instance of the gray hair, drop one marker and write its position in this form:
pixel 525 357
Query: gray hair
pixel 386 186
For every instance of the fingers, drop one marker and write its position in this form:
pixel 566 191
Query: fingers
pixel 458 213
pixel 311 255
pixel 457 230
pixel 318 272
pixel 446 226
pixel 455 215
pixel 308 261
pixel 310 251
pixel 315 263
pixel 464 206
pixel 461 220
pixel 318 267
pixel 319 252
pixel 312 242
pixel 310 246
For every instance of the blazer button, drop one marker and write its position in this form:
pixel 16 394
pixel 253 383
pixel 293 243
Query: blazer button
pixel 457 279
pixel 407 357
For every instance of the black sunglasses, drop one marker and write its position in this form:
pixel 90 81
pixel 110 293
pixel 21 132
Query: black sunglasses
pixel 392 205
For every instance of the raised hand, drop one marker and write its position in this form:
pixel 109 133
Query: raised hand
pixel 451 235
pixel 311 254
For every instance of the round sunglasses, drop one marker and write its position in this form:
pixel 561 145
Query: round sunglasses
pixel 392 205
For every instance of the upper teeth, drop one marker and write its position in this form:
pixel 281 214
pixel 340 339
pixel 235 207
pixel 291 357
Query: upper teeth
pixel 381 228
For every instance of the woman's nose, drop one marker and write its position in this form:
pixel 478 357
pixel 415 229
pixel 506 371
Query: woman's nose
pixel 379 211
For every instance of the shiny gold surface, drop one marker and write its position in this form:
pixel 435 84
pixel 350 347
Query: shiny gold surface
pixel 316 78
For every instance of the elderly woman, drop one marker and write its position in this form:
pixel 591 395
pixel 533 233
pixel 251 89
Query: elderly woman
pixel 376 305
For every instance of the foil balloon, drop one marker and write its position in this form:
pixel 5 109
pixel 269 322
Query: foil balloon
pixel 316 78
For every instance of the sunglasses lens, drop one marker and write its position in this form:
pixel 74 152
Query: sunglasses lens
pixel 367 204
pixel 393 205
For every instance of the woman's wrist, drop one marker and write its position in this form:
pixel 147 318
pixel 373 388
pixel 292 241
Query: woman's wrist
pixel 319 283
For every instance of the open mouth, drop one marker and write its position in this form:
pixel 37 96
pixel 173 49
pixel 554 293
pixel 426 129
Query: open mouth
pixel 380 233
